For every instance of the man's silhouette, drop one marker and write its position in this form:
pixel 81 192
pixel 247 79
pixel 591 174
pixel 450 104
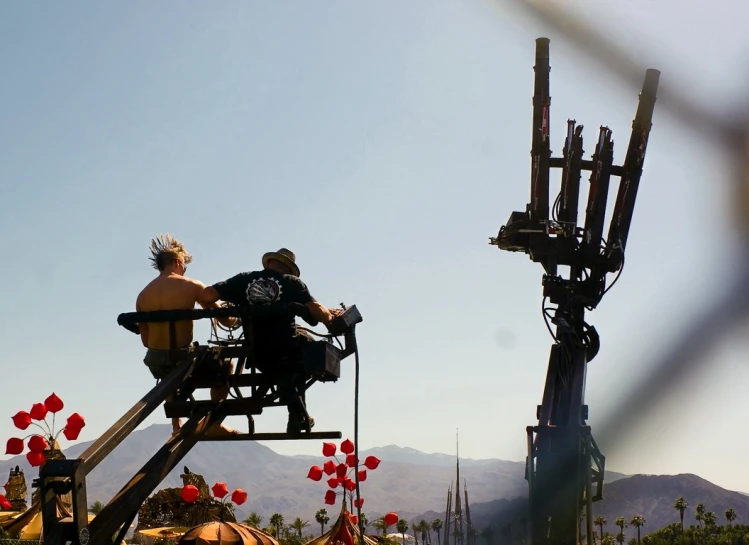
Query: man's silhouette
pixel 274 338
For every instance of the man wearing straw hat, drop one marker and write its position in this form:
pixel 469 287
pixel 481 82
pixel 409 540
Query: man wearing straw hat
pixel 275 337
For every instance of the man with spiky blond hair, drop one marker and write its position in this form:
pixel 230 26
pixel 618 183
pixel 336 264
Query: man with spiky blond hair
pixel 168 344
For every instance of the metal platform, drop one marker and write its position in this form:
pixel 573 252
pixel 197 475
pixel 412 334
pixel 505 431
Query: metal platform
pixel 276 436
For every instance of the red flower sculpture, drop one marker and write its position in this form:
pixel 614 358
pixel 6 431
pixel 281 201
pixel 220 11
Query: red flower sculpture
pixel 344 474
pixel 391 518
pixel 190 494
pixel 4 503
pixel 219 490
pixel 239 496
pixel 347 447
pixel 315 473
pixel 39 443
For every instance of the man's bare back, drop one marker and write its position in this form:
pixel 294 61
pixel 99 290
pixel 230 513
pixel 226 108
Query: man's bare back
pixel 168 292
pixel 172 290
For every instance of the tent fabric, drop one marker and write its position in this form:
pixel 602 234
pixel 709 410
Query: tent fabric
pixel 226 533
pixel 343 519
pixel 33 515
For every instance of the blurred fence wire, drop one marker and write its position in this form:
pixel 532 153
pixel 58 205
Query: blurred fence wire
pixel 690 352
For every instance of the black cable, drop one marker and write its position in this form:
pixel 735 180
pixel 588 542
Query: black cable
pixel 546 318
pixel 618 274
pixel 356 443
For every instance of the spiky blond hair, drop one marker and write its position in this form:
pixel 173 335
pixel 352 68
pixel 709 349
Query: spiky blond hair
pixel 166 249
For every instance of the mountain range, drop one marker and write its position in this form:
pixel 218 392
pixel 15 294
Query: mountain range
pixel 408 481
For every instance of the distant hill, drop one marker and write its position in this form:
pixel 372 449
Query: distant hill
pixel 408 480
pixel 651 496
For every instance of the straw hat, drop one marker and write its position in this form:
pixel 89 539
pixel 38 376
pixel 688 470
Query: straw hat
pixel 286 257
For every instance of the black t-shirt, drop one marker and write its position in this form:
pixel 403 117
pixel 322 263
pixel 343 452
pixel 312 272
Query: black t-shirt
pixel 273 334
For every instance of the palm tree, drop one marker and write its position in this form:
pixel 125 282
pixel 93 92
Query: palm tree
pixel 402 527
pixel 607 539
pixel 299 525
pixel 254 520
pixel 415 529
pixel 322 519
pixel 381 525
pixel 364 520
pixel 710 519
pixel 638 521
pixel 276 521
pixel 424 528
pixel 681 505
pixel 730 516
pixel 437 526
pixel 699 513
pixel 621 522
pixel 96 508
pixel 600 521
pixel 488 534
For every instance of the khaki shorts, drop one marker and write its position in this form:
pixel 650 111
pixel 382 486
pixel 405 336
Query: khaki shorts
pixel 163 362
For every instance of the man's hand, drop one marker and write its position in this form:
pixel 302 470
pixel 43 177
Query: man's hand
pixel 322 314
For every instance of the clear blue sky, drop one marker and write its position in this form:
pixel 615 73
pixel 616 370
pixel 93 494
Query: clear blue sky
pixel 383 143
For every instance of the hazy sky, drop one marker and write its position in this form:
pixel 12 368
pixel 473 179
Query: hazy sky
pixel 384 143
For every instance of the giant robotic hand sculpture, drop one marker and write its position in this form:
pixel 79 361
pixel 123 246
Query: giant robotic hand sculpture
pixel 563 460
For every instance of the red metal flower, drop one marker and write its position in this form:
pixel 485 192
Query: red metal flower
pixel 328 449
pixel 54 404
pixel 75 422
pixel 38 411
pixel 371 462
pixel 315 473
pixel 190 493
pixel 347 447
pixel 359 503
pixel 351 460
pixel 391 518
pixel 333 483
pixel 14 446
pixel 329 467
pixel 35 458
pixel 37 443
pixel 71 434
pixel 219 490
pixel 341 470
pixel 349 485
pixel 354 519
pixel 239 496
pixel 22 420
pixel 4 503
pixel 362 475
pixel 330 497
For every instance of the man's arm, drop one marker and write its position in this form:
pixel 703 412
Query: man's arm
pixel 318 311
pixel 207 297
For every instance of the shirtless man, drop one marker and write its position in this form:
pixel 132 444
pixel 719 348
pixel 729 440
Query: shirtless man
pixel 172 290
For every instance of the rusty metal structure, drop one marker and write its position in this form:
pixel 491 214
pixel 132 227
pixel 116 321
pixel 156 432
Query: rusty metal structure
pixel 458 524
pixel 16 490
pixel 564 467
pixel 321 362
